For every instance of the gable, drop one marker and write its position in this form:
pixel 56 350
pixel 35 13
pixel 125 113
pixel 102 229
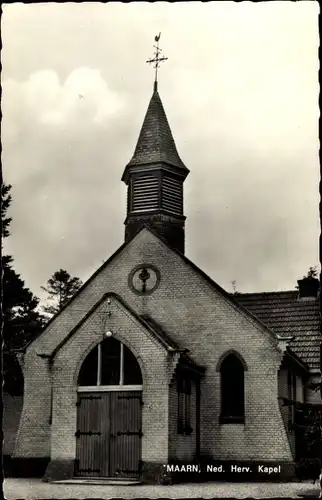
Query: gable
pixel 186 303
pixel 163 340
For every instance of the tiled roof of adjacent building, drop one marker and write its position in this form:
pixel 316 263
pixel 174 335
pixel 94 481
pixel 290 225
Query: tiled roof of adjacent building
pixel 156 143
pixel 289 316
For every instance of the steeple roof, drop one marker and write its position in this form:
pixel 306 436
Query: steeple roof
pixel 156 143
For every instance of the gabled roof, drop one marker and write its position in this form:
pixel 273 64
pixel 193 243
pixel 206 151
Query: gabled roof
pixel 146 321
pixel 229 297
pixel 158 334
pixel 66 305
pixel 159 331
pixel 289 316
pixel 156 143
pixel 185 359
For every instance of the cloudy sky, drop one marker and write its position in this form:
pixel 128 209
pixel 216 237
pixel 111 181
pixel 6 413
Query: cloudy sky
pixel 240 89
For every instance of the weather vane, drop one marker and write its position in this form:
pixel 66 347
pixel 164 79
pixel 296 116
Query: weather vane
pixel 157 59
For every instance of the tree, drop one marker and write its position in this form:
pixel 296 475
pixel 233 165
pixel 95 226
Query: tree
pixel 61 287
pixel 312 273
pixel 21 320
pixel 5 203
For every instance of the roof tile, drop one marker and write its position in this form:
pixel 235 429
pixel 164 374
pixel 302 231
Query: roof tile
pixel 287 315
pixel 156 143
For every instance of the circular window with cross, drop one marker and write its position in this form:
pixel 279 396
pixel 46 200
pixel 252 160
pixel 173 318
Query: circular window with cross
pixel 144 279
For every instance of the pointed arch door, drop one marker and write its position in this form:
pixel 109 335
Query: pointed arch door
pixel 109 414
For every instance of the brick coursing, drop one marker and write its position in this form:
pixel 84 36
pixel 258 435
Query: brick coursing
pixel 12 406
pixel 283 392
pixel 198 318
pixel 152 359
pixel 181 447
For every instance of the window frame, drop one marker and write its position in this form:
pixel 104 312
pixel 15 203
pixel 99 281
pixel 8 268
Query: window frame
pixel 184 389
pixel 292 396
pixel 112 387
pixel 224 417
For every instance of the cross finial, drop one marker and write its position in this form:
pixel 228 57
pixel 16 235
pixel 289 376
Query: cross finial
pixel 156 60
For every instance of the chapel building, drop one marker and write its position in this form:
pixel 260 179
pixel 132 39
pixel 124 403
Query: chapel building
pixel 152 362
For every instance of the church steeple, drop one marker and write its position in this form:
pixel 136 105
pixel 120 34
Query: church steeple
pixel 155 177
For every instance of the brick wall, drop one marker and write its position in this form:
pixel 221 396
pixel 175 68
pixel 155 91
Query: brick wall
pixel 12 407
pixel 33 438
pixel 181 447
pixel 283 391
pixel 153 361
pixel 198 318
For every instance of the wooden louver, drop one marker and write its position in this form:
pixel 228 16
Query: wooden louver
pixel 172 198
pixel 145 193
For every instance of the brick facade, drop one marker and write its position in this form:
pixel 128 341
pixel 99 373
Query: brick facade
pixel 181 447
pixel 283 392
pixel 197 317
pixel 12 406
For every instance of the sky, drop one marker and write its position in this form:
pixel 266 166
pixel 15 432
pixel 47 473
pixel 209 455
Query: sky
pixel 240 90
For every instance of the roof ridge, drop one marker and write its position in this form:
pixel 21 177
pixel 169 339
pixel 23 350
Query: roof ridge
pixel 242 294
pixel 159 330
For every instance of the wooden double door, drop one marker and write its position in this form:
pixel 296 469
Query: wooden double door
pixel 109 434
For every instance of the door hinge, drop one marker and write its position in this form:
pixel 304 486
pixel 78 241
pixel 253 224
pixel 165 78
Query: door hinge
pixel 91 398
pixel 131 397
pixel 78 433
pixel 129 433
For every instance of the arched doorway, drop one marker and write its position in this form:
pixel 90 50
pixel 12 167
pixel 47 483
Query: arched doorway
pixel 109 412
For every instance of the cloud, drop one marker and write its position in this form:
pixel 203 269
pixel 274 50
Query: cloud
pixel 84 96
pixel 54 139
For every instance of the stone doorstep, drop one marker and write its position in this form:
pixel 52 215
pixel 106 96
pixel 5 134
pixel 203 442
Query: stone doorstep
pixel 309 494
pixel 102 481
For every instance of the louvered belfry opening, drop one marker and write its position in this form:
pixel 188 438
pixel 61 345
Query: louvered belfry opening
pixel 172 195
pixel 145 192
pixel 155 177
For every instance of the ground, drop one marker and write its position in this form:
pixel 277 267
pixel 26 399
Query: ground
pixel 33 489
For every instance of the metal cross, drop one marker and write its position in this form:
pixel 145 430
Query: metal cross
pixel 157 59
pixel 144 276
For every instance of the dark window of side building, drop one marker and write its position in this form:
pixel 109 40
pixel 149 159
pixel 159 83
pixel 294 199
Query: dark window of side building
pixel 232 390
pixel 184 405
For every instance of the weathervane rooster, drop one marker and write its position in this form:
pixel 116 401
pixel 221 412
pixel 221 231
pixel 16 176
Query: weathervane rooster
pixel 156 60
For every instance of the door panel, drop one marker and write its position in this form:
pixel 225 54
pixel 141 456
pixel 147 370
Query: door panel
pixel 89 435
pixel 109 434
pixel 126 429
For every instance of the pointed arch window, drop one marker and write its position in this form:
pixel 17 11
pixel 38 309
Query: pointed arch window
pixel 232 382
pixel 110 365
